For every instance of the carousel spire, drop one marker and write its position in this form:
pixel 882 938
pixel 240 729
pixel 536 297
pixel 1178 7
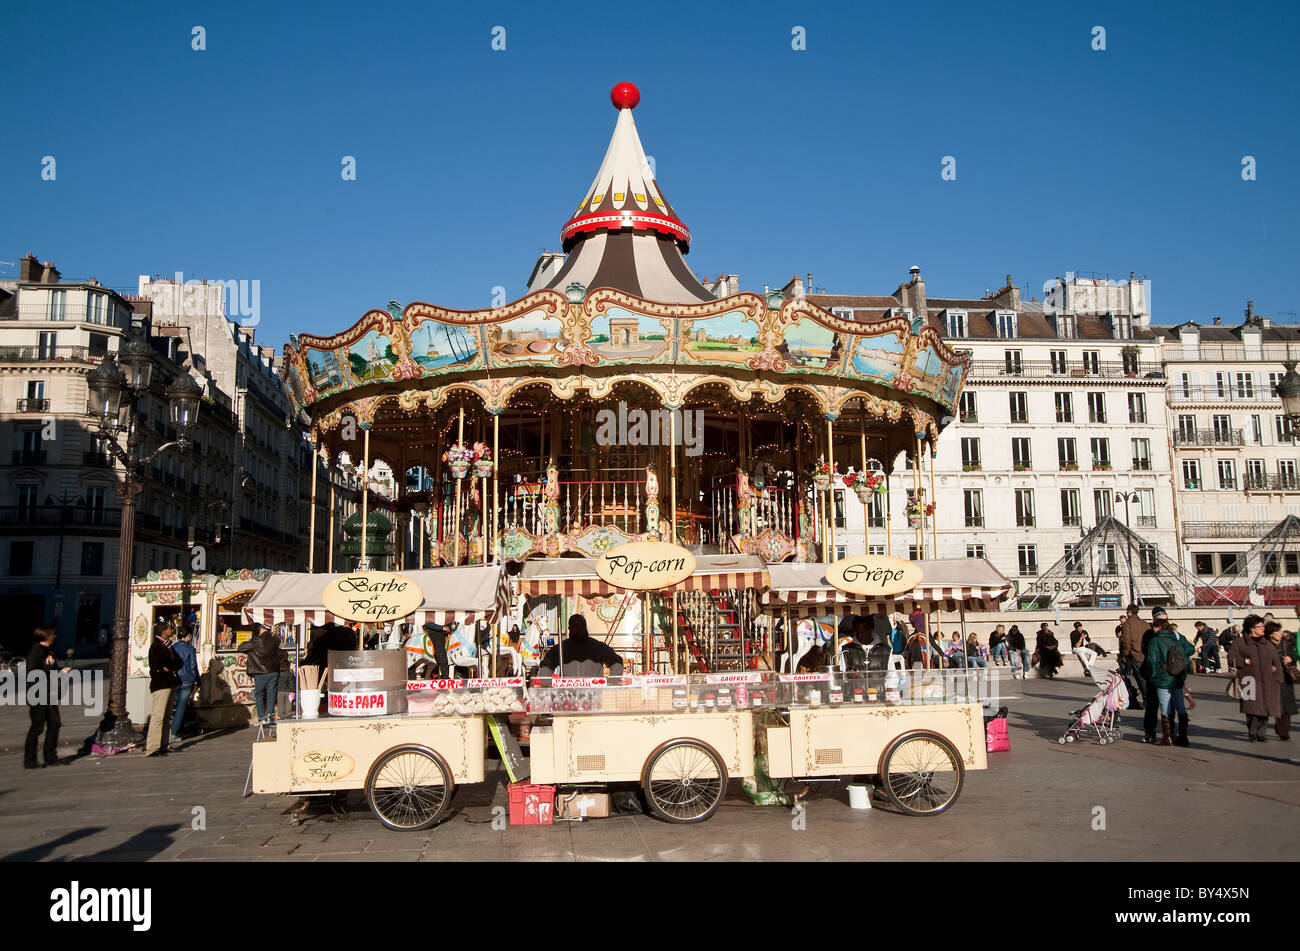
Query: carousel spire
pixel 624 234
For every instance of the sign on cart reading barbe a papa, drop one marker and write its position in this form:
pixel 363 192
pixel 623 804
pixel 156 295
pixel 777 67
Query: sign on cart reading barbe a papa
pixel 645 566
pixel 874 575
pixel 372 596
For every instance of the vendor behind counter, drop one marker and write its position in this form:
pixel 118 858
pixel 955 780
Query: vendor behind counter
pixel 584 656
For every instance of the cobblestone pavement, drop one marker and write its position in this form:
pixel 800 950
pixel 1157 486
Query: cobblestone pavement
pixel 1037 802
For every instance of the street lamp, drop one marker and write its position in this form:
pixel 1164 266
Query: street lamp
pixel 1288 390
pixel 1126 498
pixel 114 405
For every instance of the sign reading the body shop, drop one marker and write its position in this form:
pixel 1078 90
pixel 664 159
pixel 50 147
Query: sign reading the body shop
pixel 645 566
pixel 878 575
pixel 372 596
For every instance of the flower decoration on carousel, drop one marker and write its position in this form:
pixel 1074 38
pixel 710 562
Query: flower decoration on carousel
pixel 864 484
pixel 916 509
pixel 822 473
pixel 482 460
pixel 459 458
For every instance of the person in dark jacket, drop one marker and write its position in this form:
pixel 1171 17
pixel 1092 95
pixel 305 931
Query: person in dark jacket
pixel 583 655
pixel 998 646
pixel 163 666
pixel 1165 643
pixel 189 681
pixel 1259 677
pixel 1131 658
pixel 264 661
pixel 1018 651
pixel 44 716
pixel 1049 656
pixel 1207 638
pixel 1284 643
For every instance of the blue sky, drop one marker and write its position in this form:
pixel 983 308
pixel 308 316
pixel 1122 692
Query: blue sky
pixel 226 163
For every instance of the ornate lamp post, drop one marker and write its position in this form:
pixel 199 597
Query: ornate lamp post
pixel 1126 498
pixel 114 402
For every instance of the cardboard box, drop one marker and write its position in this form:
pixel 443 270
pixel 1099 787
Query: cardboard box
pixel 588 805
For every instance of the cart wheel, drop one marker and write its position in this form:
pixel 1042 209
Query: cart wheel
pixel 684 781
pixel 922 774
pixel 409 788
pixel 1061 741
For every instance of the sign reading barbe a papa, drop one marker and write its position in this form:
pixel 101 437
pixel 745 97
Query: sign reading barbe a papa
pixel 879 575
pixel 645 566
pixel 372 596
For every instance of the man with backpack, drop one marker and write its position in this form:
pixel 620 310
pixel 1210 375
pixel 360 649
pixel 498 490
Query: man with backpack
pixel 1168 656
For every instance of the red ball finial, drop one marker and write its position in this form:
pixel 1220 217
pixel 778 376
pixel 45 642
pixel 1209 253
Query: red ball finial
pixel 625 96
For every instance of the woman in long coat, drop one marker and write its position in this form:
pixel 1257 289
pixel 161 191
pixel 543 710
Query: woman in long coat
pixel 1049 657
pixel 1284 641
pixel 1259 677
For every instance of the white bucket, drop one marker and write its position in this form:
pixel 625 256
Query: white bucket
pixel 310 703
pixel 859 797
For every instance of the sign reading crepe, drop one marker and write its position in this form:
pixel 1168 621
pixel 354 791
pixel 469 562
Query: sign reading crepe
pixel 645 566
pixel 372 596
pixel 874 575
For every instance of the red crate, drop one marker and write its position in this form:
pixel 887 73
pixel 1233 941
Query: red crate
pixel 531 805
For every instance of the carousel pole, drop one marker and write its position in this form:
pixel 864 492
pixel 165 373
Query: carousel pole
pixel 455 528
pixel 365 496
pixel 674 630
pixel 830 495
pixel 672 478
pixel 934 522
pixel 496 488
pixel 329 555
pixel 889 480
pixel 311 527
pixel 866 508
pixel 916 494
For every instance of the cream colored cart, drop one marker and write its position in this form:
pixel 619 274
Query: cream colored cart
pixel 408 767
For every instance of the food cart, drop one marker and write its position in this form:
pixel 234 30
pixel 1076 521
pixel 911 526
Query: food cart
pixel 922 743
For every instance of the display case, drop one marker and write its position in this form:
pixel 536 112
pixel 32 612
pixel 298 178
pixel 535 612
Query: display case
pixel 446 698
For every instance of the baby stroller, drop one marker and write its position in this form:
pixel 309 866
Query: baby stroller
pixel 1100 718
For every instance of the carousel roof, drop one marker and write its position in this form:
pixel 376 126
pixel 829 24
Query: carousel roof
pixel 624 234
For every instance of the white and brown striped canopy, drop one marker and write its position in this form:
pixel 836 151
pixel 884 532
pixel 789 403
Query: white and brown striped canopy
pixel 947 584
pixel 456 595
pixel 576 577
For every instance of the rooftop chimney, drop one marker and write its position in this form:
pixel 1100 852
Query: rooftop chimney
pixel 1218 321
pixel 28 268
pixel 1250 310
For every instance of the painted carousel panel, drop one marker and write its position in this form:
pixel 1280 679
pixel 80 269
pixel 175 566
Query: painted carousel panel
pixel 809 345
pixel 878 357
pixel 621 336
pixel 730 339
pixel 438 347
pixel 370 357
pixel 534 338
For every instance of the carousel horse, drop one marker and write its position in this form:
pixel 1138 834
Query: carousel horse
pixel 809 633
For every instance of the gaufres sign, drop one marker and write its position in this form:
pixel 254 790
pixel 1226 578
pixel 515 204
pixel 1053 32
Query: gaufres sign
pixel 372 596
pixel 874 575
pixel 645 566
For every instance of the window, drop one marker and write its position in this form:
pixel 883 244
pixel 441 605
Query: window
pixel 1186 428
pixel 1019 407
pixel 1146 508
pixel 1070 507
pixel 1065 454
pixel 1283 430
pixel 839 508
pixel 1221 385
pixel 973 500
pixel 26 495
pixel 1020 458
pixel 875 549
pixel 974 551
pixel 843 313
pixel 47 344
pixel 1102 502
pixel 1007 326
pixel 1092 361
pixel 1255 478
pixel 1191 474
pixel 1129 359
pixel 1100 453
pixel 1273 380
pixel 967 409
pixel 58 305
pixel 20 558
pixel 1287 473
pixel 1271 564
pixel 1137 408
pixel 876 511
pixel 1096 407
pixel 92 558
pixel 1013 361
pixel 1222 426
pixel 1141 455
pixel 1227 473
pixel 1123 328
pixel 1246 385
pixel 913 553
pixel 1185 385
pixel 1064 408
pixel 1073 559
pixel 98 344
pixel 1257 430
pixel 956 325
pixel 1292 561
pixel 94 308
pixel 1230 562
pixel 1025 508
pixel 840 551
pixel 1059 364
pixel 1066 326
pixel 1204 564
pixel 1028 558
pixel 970 453
pixel 1107 560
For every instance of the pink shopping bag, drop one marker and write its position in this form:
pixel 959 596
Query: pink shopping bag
pixel 999 740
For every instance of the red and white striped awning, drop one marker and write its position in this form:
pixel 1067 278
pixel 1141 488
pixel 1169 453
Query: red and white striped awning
pixel 576 577
pixel 454 595
pixel 947 584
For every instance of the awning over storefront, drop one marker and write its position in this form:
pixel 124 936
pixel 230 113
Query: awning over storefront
pixel 456 595
pixel 947 584
pixel 577 576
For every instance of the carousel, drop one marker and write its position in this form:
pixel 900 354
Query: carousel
pixel 619 401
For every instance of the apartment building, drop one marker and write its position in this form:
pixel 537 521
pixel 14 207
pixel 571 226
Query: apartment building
pixel 1236 463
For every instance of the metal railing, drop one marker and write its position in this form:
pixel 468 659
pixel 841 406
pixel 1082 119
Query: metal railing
pixel 1227 529
pixel 39 354
pixel 59 516
pixel 1202 437
pixel 30 457
pixel 96 459
pixel 1145 521
pixel 1037 368
pixel 1272 480
pixel 33 406
pixel 1270 352
pixel 1220 394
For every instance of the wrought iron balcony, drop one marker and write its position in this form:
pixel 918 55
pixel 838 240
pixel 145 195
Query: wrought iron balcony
pixel 1221 394
pixel 39 354
pixel 30 457
pixel 33 406
pixel 59 516
pixel 1202 437
pixel 1272 481
pixel 1227 529
pixel 1145 521
pixel 1045 369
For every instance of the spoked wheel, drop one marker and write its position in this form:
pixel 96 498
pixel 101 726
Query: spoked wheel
pixel 922 774
pixel 684 781
pixel 409 788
